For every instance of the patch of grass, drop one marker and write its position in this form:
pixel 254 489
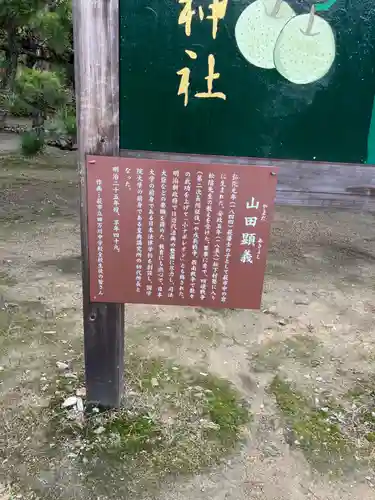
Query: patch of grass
pixel 312 430
pixel 134 434
pixel 14 323
pixel 174 420
pixel 23 321
pixel 362 392
pixel 6 279
pixel 215 398
pixel 49 160
pixel 361 416
pixel 32 143
pixel 208 332
pixel 302 348
pixel 224 410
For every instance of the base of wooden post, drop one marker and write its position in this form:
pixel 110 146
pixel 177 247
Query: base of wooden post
pixel 104 354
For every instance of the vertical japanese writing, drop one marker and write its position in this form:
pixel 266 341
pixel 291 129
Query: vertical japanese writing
pixel 162 215
pixel 263 218
pixel 99 235
pixel 264 215
pixel 197 221
pixel 184 239
pixel 173 233
pixel 249 238
pixel 259 247
pixel 139 234
pixel 192 234
pixel 218 10
pixel 116 208
pixel 150 232
pixel 196 230
pixel 207 232
pixel 218 238
pixel 229 236
pixel 128 179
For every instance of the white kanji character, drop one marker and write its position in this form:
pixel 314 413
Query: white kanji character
pixel 251 221
pixel 248 239
pixel 246 257
pixel 253 204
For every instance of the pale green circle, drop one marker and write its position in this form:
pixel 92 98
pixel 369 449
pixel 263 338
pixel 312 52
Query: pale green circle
pixel 302 58
pixel 256 31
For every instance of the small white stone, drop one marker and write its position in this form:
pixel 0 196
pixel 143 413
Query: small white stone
pixel 81 392
pixel 79 403
pixel 70 401
pixel 207 424
pixel 70 375
pixel 99 430
pixel 62 366
pixel 154 382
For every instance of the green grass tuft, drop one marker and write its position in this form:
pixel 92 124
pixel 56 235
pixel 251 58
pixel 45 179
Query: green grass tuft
pixel 311 429
pixel 32 143
pixel 174 420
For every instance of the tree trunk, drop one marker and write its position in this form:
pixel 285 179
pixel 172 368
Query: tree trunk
pixel 3 117
pixel 38 122
pixel 11 60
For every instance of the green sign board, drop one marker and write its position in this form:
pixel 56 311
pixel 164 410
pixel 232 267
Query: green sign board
pixel 267 79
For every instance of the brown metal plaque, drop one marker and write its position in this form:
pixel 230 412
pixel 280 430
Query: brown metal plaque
pixel 178 233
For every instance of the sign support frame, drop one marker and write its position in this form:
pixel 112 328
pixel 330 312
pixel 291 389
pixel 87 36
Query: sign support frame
pixel 96 47
pixel 97 56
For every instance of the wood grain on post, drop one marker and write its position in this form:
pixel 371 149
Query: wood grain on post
pixel 96 59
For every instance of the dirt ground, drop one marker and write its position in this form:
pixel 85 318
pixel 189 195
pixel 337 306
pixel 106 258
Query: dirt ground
pixel 315 333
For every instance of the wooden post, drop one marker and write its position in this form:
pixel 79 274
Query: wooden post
pixel 96 60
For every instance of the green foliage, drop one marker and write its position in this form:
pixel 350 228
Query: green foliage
pixel 35 32
pixel 224 409
pixel 312 429
pixel 70 120
pixel 40 90
pixel 176 420
pixel 32 143
pixel 135 433
pixel 54 27
pixel 15 105
pixel 16 12
pixel 62 127
pixel 65 121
